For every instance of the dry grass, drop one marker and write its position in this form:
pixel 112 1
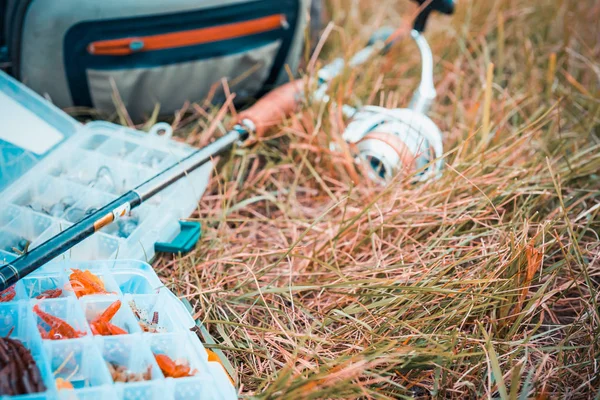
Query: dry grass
pixel 481 284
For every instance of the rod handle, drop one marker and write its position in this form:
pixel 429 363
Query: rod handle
pixel 274 107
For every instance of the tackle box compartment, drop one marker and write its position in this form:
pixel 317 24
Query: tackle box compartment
pixel 84 361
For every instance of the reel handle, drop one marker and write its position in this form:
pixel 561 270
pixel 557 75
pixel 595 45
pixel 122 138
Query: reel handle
pixel 274 107
pixel 442 6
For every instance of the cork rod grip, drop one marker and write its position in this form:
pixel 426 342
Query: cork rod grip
pixel 274 107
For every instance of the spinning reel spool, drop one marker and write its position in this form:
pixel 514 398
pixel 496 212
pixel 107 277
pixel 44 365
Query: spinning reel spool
pixel 391 141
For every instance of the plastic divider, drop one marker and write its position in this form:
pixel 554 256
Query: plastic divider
pixel 132 353
pixel 92 393
pixel 93 201
pixel 94 141
pixel 49 196
pixel 46 284
pixel 117 148
pixel 99 246
pixel 6 257
pixel 13 320
pixel 55 228
pixel 77 361
pixel 96 171
pixel 147 390
pixel 137 281
pixel 147 157
pixel 23 231
pixel 8 212
pixel 193 388
pixel 227 391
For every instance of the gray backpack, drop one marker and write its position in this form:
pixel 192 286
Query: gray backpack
pixel 78 53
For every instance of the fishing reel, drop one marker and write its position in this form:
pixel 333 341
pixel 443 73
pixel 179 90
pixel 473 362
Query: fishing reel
pixel 398 140
pixel 389 141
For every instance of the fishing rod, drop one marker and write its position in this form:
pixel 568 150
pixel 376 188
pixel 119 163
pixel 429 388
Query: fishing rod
pixel 384 139
pixel 33 259
pixel 270 110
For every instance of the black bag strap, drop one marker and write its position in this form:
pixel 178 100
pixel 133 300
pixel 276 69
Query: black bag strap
pixel 3 49
pixel 14 16
pixel 2 21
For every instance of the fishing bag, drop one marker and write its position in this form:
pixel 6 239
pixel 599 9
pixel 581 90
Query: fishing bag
pixel 79 53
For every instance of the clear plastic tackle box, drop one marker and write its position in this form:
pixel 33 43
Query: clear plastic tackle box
pixel 53 172
pixel 83 361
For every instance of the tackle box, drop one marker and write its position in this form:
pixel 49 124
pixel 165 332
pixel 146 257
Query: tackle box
pixel 53 172
pixel 83 361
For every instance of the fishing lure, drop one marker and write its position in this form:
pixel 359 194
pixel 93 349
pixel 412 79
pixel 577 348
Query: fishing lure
pixel 59 329
pixel 19 373
pixel 63 384
pixel 101 325
pixel 7 295
pixel 147 325
pixel 120 373
pixel 174 369
pixel 85 283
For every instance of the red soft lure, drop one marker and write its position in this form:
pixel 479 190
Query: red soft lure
pixel 7 295
pixel 59 329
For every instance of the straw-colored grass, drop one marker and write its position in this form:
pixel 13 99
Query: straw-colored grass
pixel 482 284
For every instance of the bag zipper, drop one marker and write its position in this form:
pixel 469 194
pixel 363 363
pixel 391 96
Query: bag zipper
pixel 133 33
pixel 127 46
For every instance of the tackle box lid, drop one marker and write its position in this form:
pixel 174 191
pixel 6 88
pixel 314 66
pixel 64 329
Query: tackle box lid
pixel 30 129
pixel 54 170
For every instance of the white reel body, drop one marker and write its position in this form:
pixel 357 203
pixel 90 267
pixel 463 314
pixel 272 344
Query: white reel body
pixel 395 140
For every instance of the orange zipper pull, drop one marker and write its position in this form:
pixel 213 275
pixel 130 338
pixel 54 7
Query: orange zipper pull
pixel 171 40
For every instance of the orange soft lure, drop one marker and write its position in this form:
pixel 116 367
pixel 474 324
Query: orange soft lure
pixel 172 369
pixel 84 283
pixel 59 329
pixel 101 324
pixel 63 384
